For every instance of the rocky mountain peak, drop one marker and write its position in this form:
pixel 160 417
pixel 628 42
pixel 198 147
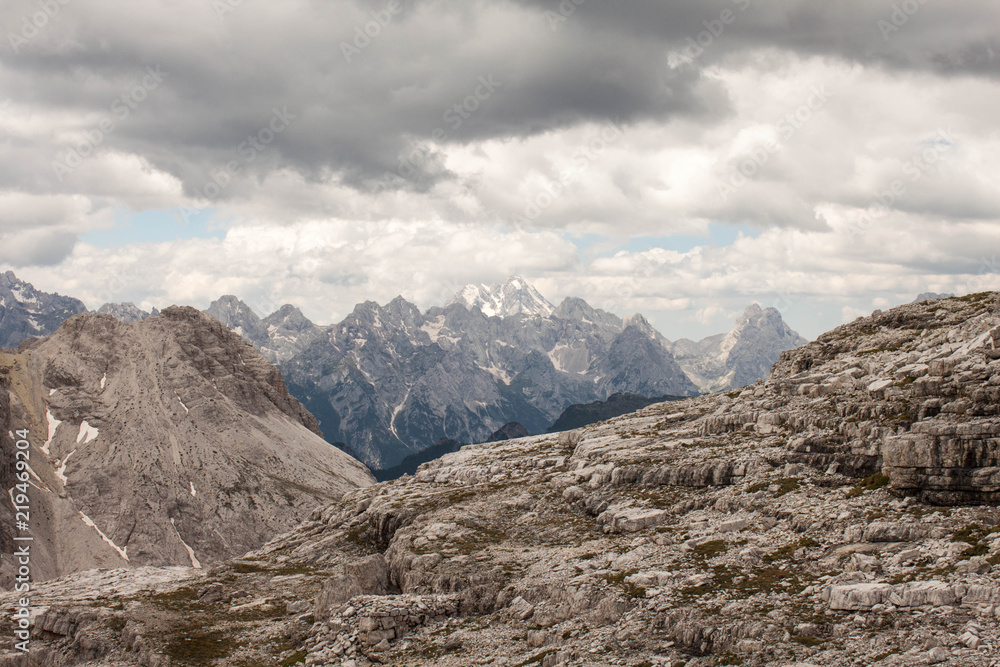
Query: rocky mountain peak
pixel 288 316
pixel 638 321
pixel 759 325
pixel 239 317
pixel 26 312
pixel 574 308
pixel 741 356
pixel 513 296
pixel 289 333
pixel 169 441
pixel 125 312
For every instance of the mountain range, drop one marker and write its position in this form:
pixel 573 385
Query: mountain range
pixel 841 512
pixel 388 381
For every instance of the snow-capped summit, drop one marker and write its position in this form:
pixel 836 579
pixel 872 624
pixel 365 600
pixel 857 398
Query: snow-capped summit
pixel 514 296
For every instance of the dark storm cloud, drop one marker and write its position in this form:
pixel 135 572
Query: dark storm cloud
pixel 358 109
pixel 952 37
pixel 226 75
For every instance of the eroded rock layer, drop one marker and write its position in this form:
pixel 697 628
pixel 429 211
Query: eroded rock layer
pixel 800 521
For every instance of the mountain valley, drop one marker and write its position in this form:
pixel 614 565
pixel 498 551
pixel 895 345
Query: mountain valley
pixel 840 512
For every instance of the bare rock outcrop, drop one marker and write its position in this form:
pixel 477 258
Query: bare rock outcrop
pixel 793 522
pixel 167 441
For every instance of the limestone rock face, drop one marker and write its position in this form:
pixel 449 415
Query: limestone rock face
pixel 787 524
pixel 170 441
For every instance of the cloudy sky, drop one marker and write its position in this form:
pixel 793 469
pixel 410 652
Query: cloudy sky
pixel 676 158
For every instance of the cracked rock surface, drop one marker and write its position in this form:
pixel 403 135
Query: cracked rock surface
pixel 839 513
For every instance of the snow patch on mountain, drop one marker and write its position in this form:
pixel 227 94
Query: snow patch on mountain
pixel 61 467
pixel 87 433
pixel 194 560
pixel 53 426
pixel 122 551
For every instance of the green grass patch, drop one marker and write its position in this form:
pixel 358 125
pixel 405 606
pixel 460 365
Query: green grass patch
pixel 711 549
pixel 184 597
pixel 742 583
pixel 294 659
pixel 786 485
pixel 970 534
pixel 876 481
pixel 198 647
pixel 785 552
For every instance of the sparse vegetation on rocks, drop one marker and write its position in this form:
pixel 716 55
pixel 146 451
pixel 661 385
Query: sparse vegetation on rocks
pixel 800 522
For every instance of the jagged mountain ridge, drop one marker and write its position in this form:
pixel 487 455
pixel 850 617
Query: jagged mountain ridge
pixel 600 355
pixel 389 380
pixel 722 529
pixel 740 357
pixel 126 312
pixel 168 441
pixel 514 296
pixel 26 312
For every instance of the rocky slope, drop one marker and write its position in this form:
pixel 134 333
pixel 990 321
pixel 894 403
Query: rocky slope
pixel 26 312
pixel 577 416
pixel 808 519
pixel 165 442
